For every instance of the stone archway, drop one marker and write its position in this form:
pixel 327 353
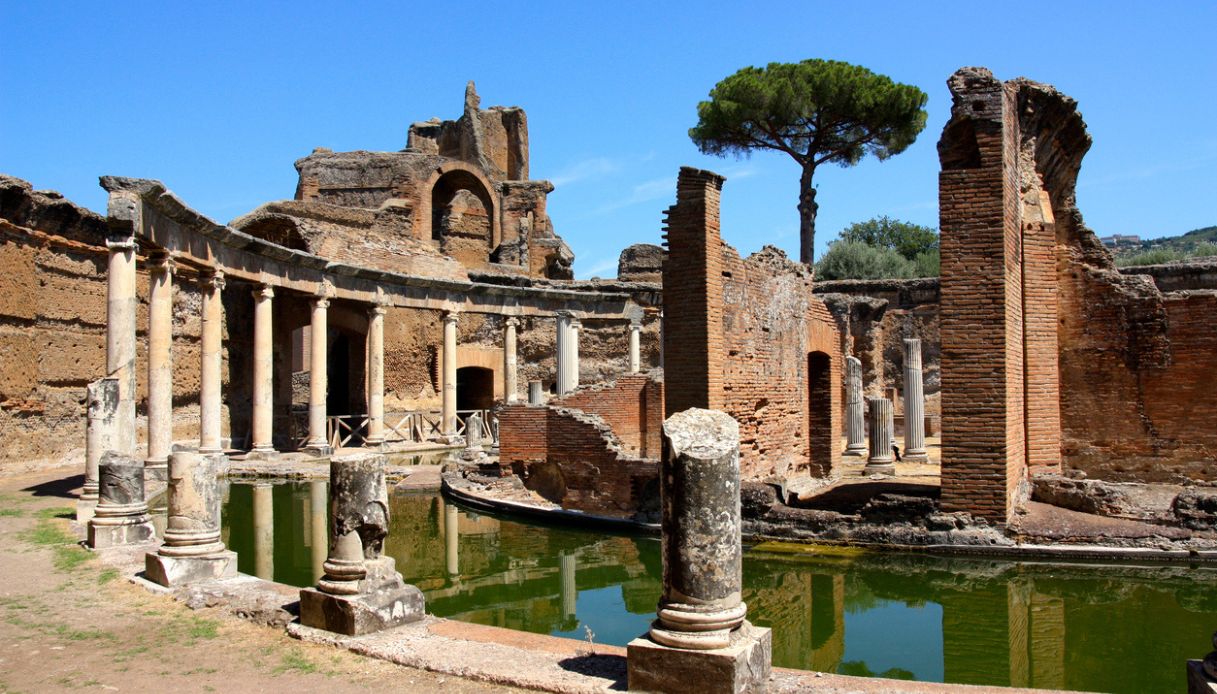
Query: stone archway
pixel 479 211
pixel 822 438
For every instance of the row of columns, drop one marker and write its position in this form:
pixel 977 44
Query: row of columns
pixel 122 305
pixel 914 412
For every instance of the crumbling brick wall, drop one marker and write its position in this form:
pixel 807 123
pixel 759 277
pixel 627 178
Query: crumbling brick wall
pixel 746 336
pixel 595 450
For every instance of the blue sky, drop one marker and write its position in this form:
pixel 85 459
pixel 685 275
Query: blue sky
pixel 218 99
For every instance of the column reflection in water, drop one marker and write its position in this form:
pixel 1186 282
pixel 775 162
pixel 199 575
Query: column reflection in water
pixel 264 531
pixel 452 541
pixel 318 499
pixel 569 591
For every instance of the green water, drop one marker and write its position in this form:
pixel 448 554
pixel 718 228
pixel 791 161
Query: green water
pixel 1071 626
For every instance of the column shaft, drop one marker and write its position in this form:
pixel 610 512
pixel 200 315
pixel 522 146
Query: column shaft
pixel 448 415
pixel 318 376
pixel 211 286
pixel 635 347
pixel 879 417
pixel 510 372
pixel 914 404
pixel 160 364
pixel 121 307
pixel 563 353
pixel 855 415
pixel 376 376
pixel 263 377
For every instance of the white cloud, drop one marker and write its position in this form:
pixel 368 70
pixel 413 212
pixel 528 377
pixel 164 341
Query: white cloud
pixel 585 170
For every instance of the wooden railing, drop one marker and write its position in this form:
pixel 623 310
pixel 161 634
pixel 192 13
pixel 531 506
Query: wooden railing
pixel 418 426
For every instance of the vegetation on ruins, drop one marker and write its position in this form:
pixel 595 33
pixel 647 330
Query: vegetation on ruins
pixel 816 111
pixel 1197 243
pixel 881 248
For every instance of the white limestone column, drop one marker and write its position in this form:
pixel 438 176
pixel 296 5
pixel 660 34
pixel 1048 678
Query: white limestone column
pixel 121 307
pixel 914 404
pixel 211 286
pixel 635 346
pixel 318 499
pixel 576 329
pixel 448 381
pixel 510 372
pixel 562 347
pixel 318 377
pixel 879 416
pixel 263 380
pixel 376 377
pixel 855 415
pixel 160 366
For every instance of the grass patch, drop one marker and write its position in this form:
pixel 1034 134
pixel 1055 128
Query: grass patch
pixel 295 662
pixel 11 513
pixel 68 554
pixel 47 534
pixel 204 628
pixel 106 576
pixel 55 512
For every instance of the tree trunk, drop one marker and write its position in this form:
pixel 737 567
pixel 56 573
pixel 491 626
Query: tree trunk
pixel 807 216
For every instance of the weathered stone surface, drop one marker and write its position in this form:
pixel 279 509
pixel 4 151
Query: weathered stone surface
pixel 879 419
pixel 121 516
pixel 1196 508
pixel 384 602
pixel 742 667
pixel 642 262
pixel 192 550
pixel 101 398
pixel 914 404
pixel 855 409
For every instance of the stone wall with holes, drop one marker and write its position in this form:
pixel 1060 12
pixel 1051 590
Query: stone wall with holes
pixel 740 336
pixel 595 450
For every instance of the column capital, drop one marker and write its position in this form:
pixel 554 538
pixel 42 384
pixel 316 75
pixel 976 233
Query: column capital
pixel 451 316
pixel 212 280
pixel 512 322
pixel 635 324
pixel 159 261
pixel 320 301
pixel 264 291
pixel 122 241
pixel 376 310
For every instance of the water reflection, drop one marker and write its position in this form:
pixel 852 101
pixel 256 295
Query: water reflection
pixel 1120 628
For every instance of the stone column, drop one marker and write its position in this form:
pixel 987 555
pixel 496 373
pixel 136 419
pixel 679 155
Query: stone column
pixel 568 590
pixel 879 416
pixel 264 371
pixel 914 404
pixel 192 551
pixel 121 307
pixel 264 530
pixel 452 544
pixel 448 419
pixel 318 377
pixel 510 367
pixel 121 517
pixel 568 353
pixel 701 640
pixel 635 346
pixel 535 393
pixel 211 285
pixel 376 377
pixel 576 331
pixel 361 591
pixel 855 410
pixel 160 365
pixel 318 525
pixel 101 398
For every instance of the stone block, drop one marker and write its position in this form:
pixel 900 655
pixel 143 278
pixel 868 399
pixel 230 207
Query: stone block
pixel 85 509
pixel 743 667
pixel 180 571
pixel 364 613
pixel 132 533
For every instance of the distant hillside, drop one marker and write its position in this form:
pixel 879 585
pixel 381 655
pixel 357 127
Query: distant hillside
pixel 1196 243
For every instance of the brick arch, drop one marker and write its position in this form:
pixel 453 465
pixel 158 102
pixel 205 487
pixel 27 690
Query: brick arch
pixel 825 367
pixel 488 195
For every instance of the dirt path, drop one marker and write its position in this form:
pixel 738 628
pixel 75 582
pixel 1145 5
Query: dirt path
pixel 69 623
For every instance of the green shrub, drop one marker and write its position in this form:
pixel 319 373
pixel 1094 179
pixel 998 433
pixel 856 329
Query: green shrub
pixel 926 263
pixel 1156 256
pixel 1204 249
pixel 848 260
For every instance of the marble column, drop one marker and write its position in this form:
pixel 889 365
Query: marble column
pixel 376 377
pixel 568 591
pixel 701 625
pixel 855 409
pixel 318 525
pixel 121 308
pixel 568 352
pixel 510 368
pixel 211 286
pixel 448 419
pixel 160 365
pixel 576 332
pixel 318 377
pixel 535 393
pixel 914 404
pixel 192 551
pixel 264 530
pixel 635 346
pixel 263 377
pixel 452 544
pixel 879 416
pixel 101 402
pixel 361 591
pixel 121 517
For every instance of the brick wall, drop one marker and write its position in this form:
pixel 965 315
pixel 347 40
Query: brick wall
pixel 740 335
pixel 596 450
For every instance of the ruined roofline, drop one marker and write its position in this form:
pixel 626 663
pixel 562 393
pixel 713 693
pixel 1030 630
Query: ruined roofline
pixel 252 259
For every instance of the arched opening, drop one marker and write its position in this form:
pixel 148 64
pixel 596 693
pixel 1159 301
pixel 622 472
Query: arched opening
pixel 819 410
pixel 462 217
pixel 474 388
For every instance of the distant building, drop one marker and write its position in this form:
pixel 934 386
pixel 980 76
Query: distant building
pixel 1120 240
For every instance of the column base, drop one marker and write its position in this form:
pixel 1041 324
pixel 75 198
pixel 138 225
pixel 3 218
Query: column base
pixel 916 457
pixel 742 667
pixel 179 571
pixel 156 469
pixel 319 450
pixel 855 452
pixel 137 531
pixel 384 602
pixel 85 507
pixel 374 444
pixel 262 453
pixel 881 468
